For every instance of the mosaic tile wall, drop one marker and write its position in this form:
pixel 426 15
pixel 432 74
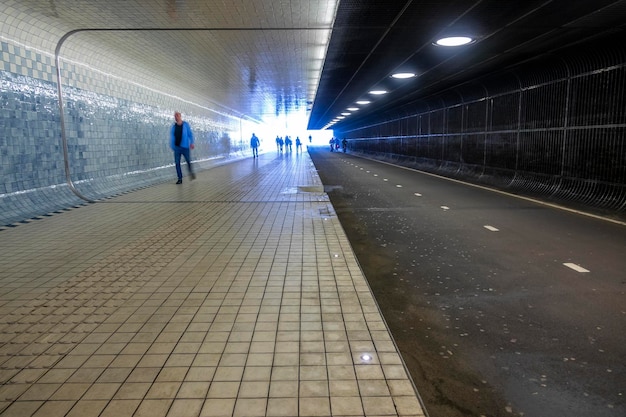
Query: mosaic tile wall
pixel 117 136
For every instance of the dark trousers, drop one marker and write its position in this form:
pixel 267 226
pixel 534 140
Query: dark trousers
pixel 178 151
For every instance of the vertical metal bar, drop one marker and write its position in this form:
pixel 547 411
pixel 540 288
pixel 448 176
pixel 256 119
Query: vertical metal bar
pixel 566 123
pixel 519 128
pixel 488 129
pixel 64 146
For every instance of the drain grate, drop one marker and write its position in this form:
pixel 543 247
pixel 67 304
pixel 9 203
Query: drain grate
pixel 325 212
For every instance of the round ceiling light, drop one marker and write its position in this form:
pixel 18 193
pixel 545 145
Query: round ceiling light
pixel 363 102
pixel 454 41
pixel 378 92
pixel 403 75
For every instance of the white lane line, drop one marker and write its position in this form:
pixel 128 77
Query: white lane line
pixel 623 223
pixel 399 186
pixel 493 229
pixel 375 175
pixel 385 179
pixel 418 195
pixel 575 267
pixel 445 207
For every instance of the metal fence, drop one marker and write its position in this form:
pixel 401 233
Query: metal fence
pixel 553 128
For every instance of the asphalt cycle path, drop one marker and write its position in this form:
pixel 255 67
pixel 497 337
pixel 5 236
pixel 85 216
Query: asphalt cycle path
pixel 500 305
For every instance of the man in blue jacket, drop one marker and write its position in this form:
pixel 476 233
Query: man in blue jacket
pixel 181 141
pixel 254 144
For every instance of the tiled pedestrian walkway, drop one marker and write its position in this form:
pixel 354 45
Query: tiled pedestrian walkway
pixel 236 294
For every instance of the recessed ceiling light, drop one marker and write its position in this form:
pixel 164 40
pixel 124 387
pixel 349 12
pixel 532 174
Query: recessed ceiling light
pixel 454 41
pixel 345 113
pixel 403 75
pixel 352 108
pixel 363 102
pixel 378 92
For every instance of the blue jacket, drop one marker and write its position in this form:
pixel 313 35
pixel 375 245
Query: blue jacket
pixel 187 139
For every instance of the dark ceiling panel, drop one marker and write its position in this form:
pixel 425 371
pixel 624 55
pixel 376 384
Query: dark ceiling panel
pixel 398 35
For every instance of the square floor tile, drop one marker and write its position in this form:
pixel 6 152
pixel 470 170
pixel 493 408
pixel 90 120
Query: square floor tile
pixel 343 388
pixel 378 406
pixel 132 391
pixel 185 408
pixel 153 408
pixel 54 409
pixel 250 407
pixel 223 390
pixel 200 373
pixel 346 406
pixel 118 408
pixel 408 406
pixel 254 389
pixel 315 407
pixel 283 389
pixel 218 407
pixel 282 407
pixel 193 389
pixel 87 408
pixel 313 389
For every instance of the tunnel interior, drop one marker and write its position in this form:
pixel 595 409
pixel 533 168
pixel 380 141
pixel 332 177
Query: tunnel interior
pixel 88 92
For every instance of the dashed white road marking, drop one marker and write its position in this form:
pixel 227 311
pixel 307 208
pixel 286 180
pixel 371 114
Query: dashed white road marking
pixel 556 206
pixel 445 207
pixel 385 179
pixel 417 194
pixel 493 229
pixel 575 267
pixel 399 186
